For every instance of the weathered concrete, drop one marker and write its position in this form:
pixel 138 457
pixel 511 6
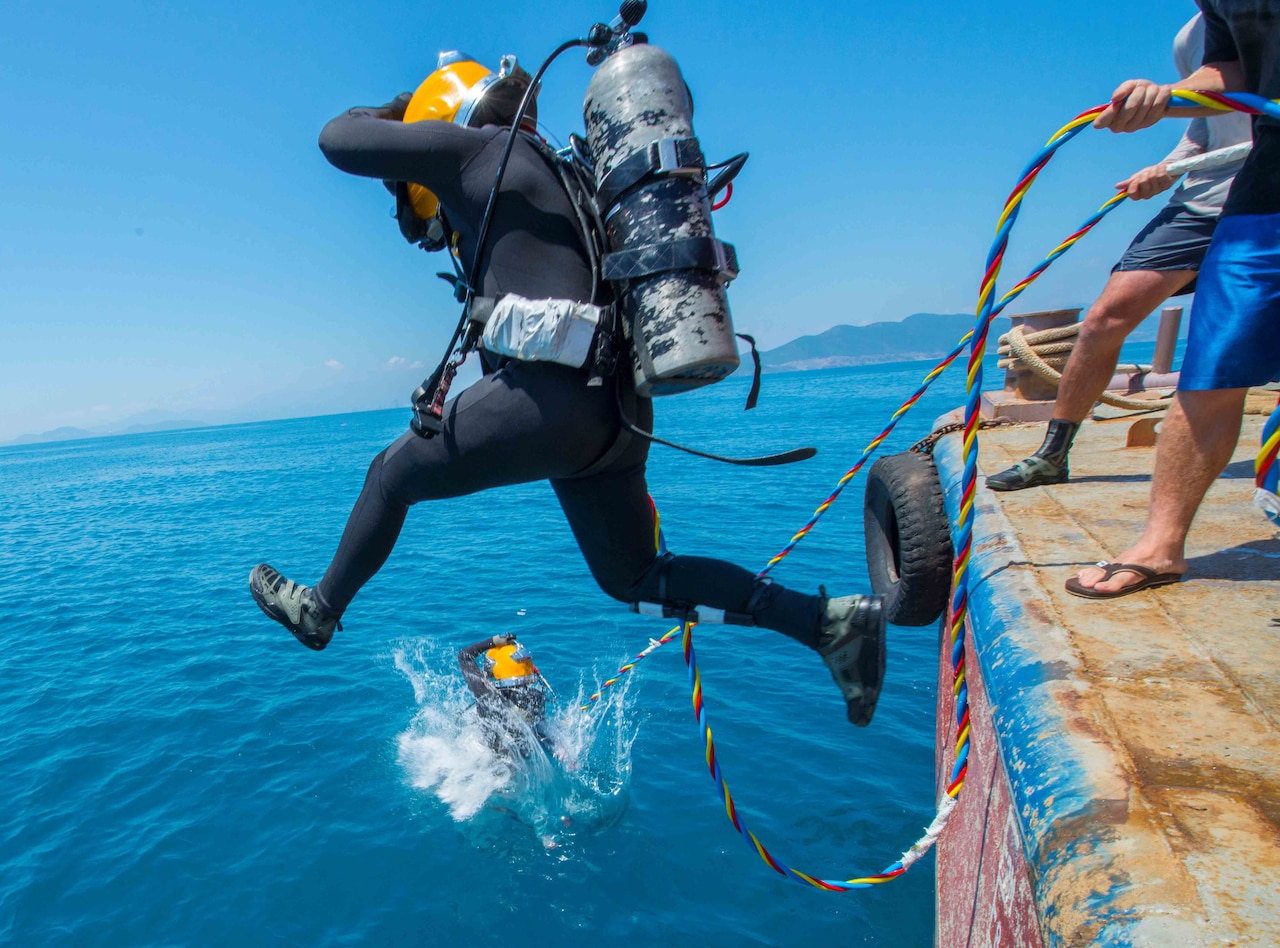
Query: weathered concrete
pixel 1140 737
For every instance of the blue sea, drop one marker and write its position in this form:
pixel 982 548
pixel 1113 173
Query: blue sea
pixel 175 769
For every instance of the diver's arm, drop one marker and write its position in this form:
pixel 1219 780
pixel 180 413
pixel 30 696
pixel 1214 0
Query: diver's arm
pixel 375 143
pixel 476 679
pixel 471 672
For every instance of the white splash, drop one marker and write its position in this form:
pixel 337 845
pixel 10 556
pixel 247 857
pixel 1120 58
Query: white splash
pixel 580 786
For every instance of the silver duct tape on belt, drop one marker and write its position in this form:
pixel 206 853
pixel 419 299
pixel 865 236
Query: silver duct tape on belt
pixel 549 330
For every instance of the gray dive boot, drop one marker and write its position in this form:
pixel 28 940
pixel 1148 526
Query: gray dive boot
pixel 852 645
pixel 294 607
pixel 1047 466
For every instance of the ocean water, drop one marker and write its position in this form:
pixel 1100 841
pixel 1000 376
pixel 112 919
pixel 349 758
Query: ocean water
pixel 176 770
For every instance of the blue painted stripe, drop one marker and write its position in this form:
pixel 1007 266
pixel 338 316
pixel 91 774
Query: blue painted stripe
pixel 1026 668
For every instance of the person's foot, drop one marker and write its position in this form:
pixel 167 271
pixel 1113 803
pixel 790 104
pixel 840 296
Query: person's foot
pixel 294 607
pixel 1136 569
pixel 852 645
pixel 1034 471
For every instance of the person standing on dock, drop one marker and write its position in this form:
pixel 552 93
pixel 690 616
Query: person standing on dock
pixel 1162 261
pixel 1235 321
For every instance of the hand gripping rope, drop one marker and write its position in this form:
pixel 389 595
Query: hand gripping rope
pixel 987 310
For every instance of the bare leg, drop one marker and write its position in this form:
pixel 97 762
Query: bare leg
pixel 1126 300
pixel 1196 444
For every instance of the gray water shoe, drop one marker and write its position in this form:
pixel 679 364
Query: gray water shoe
pixel 852 645
pixel 1035 471
pixel 295 607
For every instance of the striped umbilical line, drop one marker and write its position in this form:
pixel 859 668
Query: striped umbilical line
pixel 1266 467
pixel 986 311
pixel 1265 462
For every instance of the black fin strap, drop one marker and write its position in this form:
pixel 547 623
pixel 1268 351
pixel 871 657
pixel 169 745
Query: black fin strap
pixel 754 395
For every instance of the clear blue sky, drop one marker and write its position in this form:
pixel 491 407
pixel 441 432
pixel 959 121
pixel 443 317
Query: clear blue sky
pixel 174 243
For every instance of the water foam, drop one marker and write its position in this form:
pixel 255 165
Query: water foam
pixel 581 786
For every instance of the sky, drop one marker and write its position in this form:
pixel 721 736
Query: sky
pixel 174 246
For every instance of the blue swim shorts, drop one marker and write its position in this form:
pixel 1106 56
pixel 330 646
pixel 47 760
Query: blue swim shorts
pixel 1234 339
pixel 1175 239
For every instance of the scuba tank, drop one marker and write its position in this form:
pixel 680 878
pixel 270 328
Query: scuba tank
pixel 668 269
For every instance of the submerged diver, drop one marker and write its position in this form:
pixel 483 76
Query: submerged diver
pixel 534 420
pixel 508 688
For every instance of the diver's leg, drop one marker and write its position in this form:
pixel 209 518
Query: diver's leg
pixel 522 423
pixel 615 524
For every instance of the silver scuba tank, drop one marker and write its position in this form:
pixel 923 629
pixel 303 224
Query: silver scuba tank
pixel 669 270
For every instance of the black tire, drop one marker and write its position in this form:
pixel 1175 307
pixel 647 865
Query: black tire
pixel 908 538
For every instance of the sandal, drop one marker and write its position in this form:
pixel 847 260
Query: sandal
pixel 1147 579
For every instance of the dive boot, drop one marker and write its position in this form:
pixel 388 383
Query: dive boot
pixel 852 645
pixel 294 607
pixel 1047 466
pixel 1034 471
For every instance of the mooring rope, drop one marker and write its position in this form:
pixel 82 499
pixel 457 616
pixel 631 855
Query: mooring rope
pixel 1032 355
pixel 987 310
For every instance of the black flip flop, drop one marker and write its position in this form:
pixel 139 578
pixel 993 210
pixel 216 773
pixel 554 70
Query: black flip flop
pixel 1149 580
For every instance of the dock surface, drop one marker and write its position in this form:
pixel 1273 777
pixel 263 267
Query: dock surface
pixel 1140 737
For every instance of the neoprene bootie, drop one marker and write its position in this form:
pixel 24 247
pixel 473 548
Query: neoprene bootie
pixel 851 643
pixel 1047 466
pixel 295 607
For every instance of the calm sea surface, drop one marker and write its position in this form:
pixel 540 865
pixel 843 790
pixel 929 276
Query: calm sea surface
pixel 176 770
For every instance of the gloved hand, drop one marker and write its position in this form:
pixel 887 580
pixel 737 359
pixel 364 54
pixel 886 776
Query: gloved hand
pixel 395 109
pixel 507 638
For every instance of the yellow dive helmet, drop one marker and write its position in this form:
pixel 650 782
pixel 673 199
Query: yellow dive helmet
pixel 510 665
pixel 464 92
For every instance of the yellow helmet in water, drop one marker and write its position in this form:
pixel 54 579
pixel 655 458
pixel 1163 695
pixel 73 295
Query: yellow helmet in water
pixel 464 92
pixel 510 665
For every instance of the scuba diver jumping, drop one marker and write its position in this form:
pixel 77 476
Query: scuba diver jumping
pixel 529 241
pixel 509 691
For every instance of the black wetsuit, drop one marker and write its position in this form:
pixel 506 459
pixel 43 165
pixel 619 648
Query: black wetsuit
pixel 524 421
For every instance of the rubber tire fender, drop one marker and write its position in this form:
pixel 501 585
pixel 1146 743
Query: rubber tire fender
pixel 908 538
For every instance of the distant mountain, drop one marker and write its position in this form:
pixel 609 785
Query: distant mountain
pixel 75 434
pixel 919 336
pixel 57 434
pixel 161 426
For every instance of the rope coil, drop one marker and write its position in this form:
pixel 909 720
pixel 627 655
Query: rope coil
pixel 1032 355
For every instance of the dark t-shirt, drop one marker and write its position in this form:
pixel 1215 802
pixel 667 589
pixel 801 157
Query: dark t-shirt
pixel 1248 32
pixel 533 248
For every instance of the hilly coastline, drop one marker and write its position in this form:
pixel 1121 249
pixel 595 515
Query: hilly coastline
pixel 78 434
pixel 919 336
